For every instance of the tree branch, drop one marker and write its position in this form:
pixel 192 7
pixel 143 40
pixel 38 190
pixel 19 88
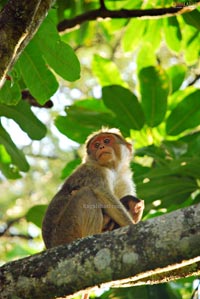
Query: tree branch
pixel 157 250
pixel 197 77
pixel 103 13
pixel 19 20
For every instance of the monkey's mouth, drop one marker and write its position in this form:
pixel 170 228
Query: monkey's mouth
pixel 103 153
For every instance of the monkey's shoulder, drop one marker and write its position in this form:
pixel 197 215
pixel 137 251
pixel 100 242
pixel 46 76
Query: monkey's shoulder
pixel 86 174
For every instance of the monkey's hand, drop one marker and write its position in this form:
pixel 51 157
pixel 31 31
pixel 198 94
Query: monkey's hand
pixel 134 205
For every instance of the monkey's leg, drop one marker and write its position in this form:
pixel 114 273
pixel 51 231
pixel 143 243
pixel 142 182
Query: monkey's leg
pixel 82 217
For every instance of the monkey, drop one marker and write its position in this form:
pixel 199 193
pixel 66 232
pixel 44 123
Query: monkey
pixel 89 201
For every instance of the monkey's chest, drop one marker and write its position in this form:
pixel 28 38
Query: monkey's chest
pixel 113 182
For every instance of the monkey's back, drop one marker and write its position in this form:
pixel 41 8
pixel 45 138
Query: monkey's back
pixel 60 212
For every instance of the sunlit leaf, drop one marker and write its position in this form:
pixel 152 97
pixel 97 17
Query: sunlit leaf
pixel 154 89
pixel 191 42
pixel 6 166
pixel 172 33
pixel 177 74
pixel 133 34
pixel 153 33
pixel 146 57
pixel 125 105
pixel 179 95
pixel 16 155
pixel 106 71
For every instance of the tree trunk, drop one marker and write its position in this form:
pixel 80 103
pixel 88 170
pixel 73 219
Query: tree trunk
pixel 19 21
pixel 157 250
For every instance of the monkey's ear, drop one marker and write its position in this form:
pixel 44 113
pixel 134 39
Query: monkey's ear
pixel 129 146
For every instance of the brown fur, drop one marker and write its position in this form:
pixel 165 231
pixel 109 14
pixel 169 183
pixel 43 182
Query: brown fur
pixel 90 197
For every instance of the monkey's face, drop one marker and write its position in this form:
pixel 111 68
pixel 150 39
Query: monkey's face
pixel 102 148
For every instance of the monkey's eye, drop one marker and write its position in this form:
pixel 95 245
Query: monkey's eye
pixel 106 141
pixel 96 144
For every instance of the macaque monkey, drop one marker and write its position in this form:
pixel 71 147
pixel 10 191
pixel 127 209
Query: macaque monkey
pixel 98 196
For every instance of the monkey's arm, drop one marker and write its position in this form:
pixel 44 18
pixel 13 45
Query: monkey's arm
pixel 113 207
pixel 133 205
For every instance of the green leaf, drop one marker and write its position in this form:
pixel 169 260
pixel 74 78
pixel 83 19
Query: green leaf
pixel 153 33
pixel 192 18
pixel 84 117
pixel 146 57
pixel 177 75
pixel 179 188
pixel 192 140
pixel 67 170
pixel 125 105
pixel 38 78
pixel 62 59
pixel 10 93
pixel 186 115
pixel 133 34
pixel 16 155
pixel 172 33
pixel 6 166
pixel 59 56
pixel 48 29
pixel 72 129
pixel 36 214
pixel 178 96
pixel 154 89
pixel 26 119
pixel 191 42
pixel 19 251
pixel 106 71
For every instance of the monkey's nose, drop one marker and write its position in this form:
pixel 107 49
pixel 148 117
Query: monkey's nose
pixel 101 146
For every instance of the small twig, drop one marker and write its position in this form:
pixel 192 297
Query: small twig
pixel 7 225
pixel 197 77
pixel 194 294
pixel 102 5
pixel 103 13
pixel 5 230
pixel 26 96
pixel 21 236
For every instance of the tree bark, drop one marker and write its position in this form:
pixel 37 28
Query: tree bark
pixel 19 21
pixel 157 250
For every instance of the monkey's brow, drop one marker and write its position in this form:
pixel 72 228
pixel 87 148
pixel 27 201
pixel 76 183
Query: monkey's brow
pixel 118 138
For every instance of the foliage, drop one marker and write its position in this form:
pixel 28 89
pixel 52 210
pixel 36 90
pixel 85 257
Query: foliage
pixel 140 75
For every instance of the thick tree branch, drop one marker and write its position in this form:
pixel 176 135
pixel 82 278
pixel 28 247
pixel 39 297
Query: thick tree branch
pixel 19 20
pixel 157 250
pixel 103 13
